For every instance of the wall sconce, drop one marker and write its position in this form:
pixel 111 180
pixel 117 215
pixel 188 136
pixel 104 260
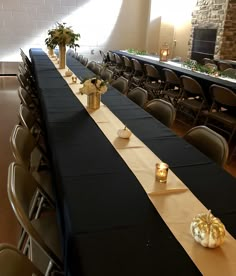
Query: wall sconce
pixel 164 53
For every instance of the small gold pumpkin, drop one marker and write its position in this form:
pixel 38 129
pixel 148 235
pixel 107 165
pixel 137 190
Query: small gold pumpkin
pixel 207 230
pixel 68 73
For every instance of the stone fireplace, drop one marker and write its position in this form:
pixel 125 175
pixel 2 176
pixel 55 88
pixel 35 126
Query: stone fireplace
pixel 219 15
pixel 203 44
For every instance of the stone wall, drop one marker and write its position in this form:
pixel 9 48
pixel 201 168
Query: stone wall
pixel 216 14
pixel 228 45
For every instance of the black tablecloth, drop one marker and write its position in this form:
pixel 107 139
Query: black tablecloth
pixel 109 226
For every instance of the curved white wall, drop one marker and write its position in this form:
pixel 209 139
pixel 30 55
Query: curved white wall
pixel 105 24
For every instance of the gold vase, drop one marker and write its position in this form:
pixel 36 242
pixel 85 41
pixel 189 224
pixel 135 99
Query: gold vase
pixel 62 56
pixel 50 51
pixel 93 100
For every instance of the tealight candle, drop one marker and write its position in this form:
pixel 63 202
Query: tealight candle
pixel 74 79
pixel 161 172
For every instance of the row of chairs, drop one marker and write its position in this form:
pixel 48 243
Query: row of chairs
pixel 30 183
pixel 203 138
pixel 184 92
pixel 113 66
pixel 138 75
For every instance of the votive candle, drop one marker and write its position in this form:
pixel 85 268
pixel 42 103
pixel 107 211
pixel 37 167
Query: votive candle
pixel 74 79
pixel 162 172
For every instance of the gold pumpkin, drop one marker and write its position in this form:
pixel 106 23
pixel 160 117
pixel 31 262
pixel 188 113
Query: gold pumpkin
pixel 207 230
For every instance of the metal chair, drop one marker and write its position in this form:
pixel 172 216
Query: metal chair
pixel 104 57
pixel 27 100
pixel 208 142
pixel 26 152
pixel 97 69
pixel 162 110
pixel 192 101
pixel 138 74
pixel 222 113
pixel 80 58
pixel 29 120
pixel 14 263
pixel 106 75
pixel 120 84
pixel 152 82
pixel 84 61
pixel 139 96
pixel 128 68
pixel 172 88
pixel 91 65
pixel 26 61
pixel 222 65
pixel 111 61
pixel 119 69
pixel 229 72
pixel 42 231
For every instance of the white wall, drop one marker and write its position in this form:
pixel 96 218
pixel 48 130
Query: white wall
pixel 103 24
pixel 170 22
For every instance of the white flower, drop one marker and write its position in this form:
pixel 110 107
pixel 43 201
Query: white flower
pixel 93 85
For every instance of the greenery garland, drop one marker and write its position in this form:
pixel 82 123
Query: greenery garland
pixel 136 52
pixel 194 66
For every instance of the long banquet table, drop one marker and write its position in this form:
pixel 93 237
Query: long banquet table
pixel 108 224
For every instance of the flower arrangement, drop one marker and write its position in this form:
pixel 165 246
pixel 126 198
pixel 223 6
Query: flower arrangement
pixel 93 85
pixel 62 35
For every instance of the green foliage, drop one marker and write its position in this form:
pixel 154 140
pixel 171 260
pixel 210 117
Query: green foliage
pixel 136 52
pixel 193 65
pixel 62 35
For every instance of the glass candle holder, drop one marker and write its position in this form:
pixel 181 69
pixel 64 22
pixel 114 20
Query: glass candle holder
pixel 161 172
pixel 74 79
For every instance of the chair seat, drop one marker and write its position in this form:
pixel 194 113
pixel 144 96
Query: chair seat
pixel 193 104
pixel 127 75
pixel 171 93
pixel 47 228
pixel 137 79
pixel 14 263
pixel 152 85
pixel 223 117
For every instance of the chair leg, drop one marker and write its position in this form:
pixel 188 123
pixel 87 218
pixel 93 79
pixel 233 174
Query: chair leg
pixel 49 269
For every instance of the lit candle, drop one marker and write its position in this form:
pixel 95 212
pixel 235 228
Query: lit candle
pixel 74 79
pixel 161 172
pixel 164 53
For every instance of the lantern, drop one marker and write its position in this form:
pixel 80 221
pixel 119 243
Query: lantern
pixel 164 53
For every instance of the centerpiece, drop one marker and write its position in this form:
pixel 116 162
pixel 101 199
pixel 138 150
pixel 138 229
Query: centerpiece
pixel 93 88
pixel 62 36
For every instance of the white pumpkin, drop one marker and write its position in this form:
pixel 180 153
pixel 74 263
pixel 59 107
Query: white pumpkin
pixel 208 230
pixel 124 133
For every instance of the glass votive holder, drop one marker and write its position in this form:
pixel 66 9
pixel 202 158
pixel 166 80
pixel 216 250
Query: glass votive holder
pixel 74 79
pixel 161 172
